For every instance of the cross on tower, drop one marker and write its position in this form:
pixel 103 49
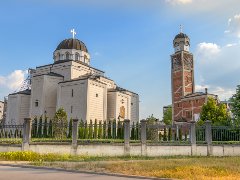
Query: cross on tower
pixel 181 28
pixel 73 32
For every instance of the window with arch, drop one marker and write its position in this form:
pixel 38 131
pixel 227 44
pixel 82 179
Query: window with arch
pixel 58 56
pixel 67 55
pixel 85 59
pixel 77 56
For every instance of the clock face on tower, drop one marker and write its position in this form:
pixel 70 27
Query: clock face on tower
pixel 188 62
pixel 176 62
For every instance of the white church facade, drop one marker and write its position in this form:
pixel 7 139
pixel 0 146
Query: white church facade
pixel 73 84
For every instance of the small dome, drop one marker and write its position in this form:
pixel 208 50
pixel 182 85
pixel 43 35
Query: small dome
pixel 72 44
pixel 181 35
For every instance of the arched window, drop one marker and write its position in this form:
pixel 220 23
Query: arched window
pixel 67 55
pixel 85 59
pixel 77 57
pixel 58 56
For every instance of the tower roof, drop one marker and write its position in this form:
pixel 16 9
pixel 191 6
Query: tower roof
pixel 181 35
pixel 72 44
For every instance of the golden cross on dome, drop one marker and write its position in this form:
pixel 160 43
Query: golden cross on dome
pixel 73 33
pixel 181 28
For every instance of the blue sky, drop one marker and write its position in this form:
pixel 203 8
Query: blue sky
pixel 130 40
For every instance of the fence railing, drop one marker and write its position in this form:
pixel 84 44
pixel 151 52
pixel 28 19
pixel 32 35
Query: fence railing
pixel 11 134
pixel 124 132
pixel 158 133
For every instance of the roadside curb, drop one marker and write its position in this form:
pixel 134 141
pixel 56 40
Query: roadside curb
pixel 81 171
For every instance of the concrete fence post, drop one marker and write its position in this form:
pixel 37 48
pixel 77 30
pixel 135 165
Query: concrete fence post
pixel 127 137
pixel 26 134
pixel 208 137
pixel 74 136
pixel 143 137
pixel 193 138
pixel 75 132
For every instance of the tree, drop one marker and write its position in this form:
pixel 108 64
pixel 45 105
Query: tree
pixel 95 129
pixel 119 130
pixel 100 130
pixel 235 106
pixel 50 129
pixel 34 127
pixel 70 128
pixel 81 130
pixel 169 134
pixel 45 134
pixel 90 130
pixel 104 129
pixel 60 124
pixel 216 113
pixel 40 127
pixel 152 132
pixel 86 131
pixel 109 130
pixel 133 131
pixel 167 116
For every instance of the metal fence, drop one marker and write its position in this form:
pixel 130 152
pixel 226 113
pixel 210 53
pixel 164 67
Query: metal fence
pixel 225 133
pixel 200 134
pixel 157 133
pixel 11 134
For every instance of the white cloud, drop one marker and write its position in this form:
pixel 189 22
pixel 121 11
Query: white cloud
pixel 231 44
pixel 223 93
pixel 14 80
pixel 200 88
pixel 174 2
pixel 234 26
pixel 208 50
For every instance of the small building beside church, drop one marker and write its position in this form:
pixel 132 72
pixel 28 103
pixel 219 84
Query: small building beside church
pixel 70 82
pixel 186 103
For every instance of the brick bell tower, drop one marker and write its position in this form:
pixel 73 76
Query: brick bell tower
pixel 182 74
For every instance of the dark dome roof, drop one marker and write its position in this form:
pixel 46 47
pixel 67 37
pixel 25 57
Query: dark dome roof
pixel 72 44
pixel 181 35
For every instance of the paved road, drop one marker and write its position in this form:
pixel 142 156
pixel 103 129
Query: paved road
pixel 8 173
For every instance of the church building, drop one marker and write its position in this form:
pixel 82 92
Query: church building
pixel 186 103
pixel 70 82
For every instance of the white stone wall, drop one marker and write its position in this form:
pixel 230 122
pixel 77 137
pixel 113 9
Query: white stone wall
pixel 37 88
pixel 125 101
pixel 130 102
pixel 111 105
pixel 97 101
pixel 134 108
pixel 76 105
pixel 44 90
pixel 78 70
pixel 110 83
pixel 18 108
pixel 63 69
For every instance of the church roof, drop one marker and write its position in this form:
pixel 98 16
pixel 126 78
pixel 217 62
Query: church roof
pixel 119 89
pixel 72 44
pixel 50 74
pixel 63 61
pixel 196 94
pixel 25 92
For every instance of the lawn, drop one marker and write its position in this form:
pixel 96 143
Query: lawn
pixel 164 167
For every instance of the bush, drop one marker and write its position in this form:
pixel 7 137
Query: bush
pixel 60 124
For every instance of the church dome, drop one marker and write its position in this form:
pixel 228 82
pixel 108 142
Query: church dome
pixel 181 35
pixel 72 44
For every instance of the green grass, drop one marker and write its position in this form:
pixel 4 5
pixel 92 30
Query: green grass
pixel 179 167
pixel 10 140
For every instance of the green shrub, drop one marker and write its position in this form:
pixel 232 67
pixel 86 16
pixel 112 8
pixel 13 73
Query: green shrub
pixel 40 128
